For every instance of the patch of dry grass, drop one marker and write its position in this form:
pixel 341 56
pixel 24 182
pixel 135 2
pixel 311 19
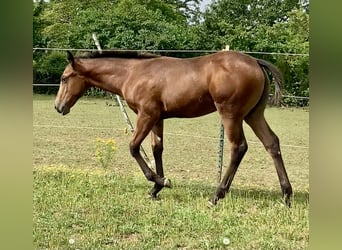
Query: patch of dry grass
pixel 190 147
pixel 79 204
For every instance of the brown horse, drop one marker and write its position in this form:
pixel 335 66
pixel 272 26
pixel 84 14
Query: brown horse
pixel 158 87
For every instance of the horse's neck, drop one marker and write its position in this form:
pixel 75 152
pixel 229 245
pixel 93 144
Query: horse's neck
pixel 108 75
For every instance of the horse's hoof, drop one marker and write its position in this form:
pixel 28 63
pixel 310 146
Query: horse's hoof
pixel 167 183
pixel 288 202
pixel 212 203
pixel 153 197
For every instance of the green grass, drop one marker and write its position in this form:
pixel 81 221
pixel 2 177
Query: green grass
pixel 102 210
pixel 75 198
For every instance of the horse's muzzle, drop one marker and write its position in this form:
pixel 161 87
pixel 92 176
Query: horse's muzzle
pixel 62 110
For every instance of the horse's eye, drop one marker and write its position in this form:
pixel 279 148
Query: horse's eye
pixel 63 79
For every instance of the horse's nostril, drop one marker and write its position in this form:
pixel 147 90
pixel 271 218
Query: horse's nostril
pixel 59 111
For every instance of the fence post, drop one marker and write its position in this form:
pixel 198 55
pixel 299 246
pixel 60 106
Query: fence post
pixel 221 144
pixel 220 153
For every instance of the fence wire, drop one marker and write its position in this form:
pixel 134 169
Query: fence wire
pixel 172 51
pixel 166 133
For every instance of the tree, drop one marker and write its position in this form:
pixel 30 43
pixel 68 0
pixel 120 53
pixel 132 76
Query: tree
pixel 264 25
pixel 245 25
pixel 38 24
pixel 130 24
pixel 291 36
pixel 236 22
pixel 120 24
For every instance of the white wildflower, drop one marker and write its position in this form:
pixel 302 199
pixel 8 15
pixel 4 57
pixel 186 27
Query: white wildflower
pixel 226 241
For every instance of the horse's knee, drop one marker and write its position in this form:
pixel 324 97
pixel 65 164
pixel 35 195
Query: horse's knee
pixel 274 148
pixel 240 149
pixel 134 150
pixel 243 147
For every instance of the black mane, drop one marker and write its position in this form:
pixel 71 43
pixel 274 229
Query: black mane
pixel 118 54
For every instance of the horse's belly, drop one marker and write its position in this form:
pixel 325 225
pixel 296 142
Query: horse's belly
pixel 186 108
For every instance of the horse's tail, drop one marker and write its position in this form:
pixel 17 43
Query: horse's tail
pixel 273 72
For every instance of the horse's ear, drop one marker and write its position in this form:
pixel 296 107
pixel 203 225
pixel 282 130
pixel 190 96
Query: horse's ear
pixel 70 57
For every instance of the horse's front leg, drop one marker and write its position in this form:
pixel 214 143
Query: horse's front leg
pixel 157 148
pixel 145 123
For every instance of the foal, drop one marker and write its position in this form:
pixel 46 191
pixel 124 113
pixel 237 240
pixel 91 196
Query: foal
pixel 157 88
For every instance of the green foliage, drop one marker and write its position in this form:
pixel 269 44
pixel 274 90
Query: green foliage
pixel 47 68
pixel 93 91
pixel 130 24
pixel 236 22
pixel 245 25
pixel 38 24
pixel 291 37
pixel 124 24
pixel 269 26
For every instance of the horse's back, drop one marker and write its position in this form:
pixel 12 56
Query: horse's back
pixel 195 86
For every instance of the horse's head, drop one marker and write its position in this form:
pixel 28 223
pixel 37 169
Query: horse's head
pixel 72 86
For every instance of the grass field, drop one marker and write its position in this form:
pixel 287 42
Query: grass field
pixel 79 204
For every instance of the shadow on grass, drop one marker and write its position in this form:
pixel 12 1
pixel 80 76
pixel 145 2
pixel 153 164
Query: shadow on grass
pixel 299 197
pixel 186 191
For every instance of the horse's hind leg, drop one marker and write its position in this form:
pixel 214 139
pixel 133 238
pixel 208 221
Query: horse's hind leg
pixel 257 122
pixel 157 149
pixel 238 148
